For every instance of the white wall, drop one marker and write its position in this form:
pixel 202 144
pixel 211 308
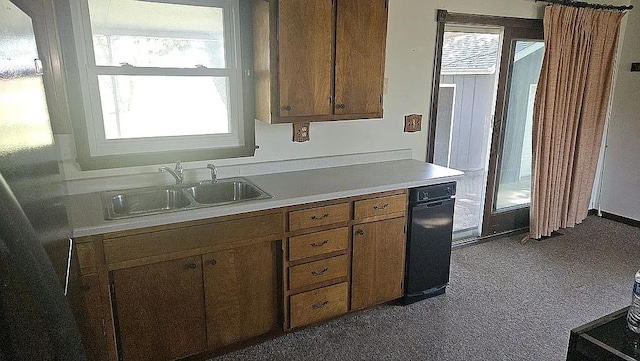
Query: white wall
pixel 620 192
pixel 409 66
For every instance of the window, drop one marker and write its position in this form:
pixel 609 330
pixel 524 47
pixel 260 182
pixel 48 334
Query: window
pixel 161 77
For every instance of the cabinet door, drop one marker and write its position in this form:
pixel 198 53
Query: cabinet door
pixel 241 293
pixel 361 33
pixel 305 38
pixel 160 310
pixel 378 262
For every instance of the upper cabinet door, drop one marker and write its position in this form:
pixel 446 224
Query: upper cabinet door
pixel 305 37
pixel 361 33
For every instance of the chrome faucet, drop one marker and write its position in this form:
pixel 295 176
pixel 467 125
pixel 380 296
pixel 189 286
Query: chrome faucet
pixel 176 172
pixel 214 173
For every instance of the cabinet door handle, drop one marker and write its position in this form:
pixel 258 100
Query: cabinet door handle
pixel 286 108
pixel 192 265
pixel 360 232
pixel 340 106
pixel 320 273
pixel 377 207
pixel 320 244
pixel 315 218
pixel 319 305
pixel 212 262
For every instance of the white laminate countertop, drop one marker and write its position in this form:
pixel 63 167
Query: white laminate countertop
pixel 289 188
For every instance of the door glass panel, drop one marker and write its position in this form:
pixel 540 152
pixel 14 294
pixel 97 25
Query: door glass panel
pixel 514 181
pixel 24 118
pixel 469 72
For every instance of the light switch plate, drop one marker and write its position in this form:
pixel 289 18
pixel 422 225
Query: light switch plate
pixel 412 123
pixel 300 132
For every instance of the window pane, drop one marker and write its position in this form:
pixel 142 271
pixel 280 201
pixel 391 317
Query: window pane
pixel 151 34
pixel 156 106
pixel 514 187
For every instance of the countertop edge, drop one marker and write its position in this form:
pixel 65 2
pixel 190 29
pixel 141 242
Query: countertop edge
pixel 84 205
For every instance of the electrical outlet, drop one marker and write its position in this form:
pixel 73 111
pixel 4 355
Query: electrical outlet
pixel 635 66
pixel 412 123
pixel 300 132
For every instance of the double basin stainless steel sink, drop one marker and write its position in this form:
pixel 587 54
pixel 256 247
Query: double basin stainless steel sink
pixel 155 200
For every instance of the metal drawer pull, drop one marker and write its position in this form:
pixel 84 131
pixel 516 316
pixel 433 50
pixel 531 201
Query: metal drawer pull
pixel 381 207
pixel 320 244
pixel 321 217
pixel 319 305
pixel 320 273
pixel 212 262
pixel 360 232
pixel 192 265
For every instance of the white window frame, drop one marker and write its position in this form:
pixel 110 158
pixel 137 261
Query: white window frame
pixel 89 71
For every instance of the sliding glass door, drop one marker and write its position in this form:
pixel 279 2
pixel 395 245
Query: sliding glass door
pixel 487 69
pixel 508 196
pixel 467 93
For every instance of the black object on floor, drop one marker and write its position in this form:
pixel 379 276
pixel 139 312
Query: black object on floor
pixel 606 338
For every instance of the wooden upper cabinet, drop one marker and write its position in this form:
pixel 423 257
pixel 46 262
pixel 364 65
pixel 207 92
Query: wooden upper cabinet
pixel 240 287
pixel 319 60
pixel 160 310
pixel 306 57
pixel 361 33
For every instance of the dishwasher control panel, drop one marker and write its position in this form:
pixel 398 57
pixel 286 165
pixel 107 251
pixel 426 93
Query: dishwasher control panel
pixel 433 192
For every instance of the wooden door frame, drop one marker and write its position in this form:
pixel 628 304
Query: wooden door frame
pixel 513 27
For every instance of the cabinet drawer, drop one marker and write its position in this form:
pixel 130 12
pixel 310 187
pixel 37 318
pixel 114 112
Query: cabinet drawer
pixel 319 216
pixel 317 243
pixel 187 238
pixel 318 271
pixel 380 206
pixel 86 255
pixel 317 305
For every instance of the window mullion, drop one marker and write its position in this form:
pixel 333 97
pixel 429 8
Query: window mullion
pixel 132 70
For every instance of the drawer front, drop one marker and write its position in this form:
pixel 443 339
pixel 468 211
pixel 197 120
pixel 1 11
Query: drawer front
pixel 319 216
pixel 318 271
pixel 317 305
pixel 86 258
pixel 317 243
pixel 191 237
pixel 380 206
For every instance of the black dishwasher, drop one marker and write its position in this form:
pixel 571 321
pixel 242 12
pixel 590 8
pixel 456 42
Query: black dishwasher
pixel 429 241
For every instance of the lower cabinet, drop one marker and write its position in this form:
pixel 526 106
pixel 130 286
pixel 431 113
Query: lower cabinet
pixel 378 262
pixel 160 310
pixel 177 308
pixel 174 291
pixel 241 293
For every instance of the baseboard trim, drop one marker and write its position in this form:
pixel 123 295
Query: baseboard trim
pixel 621 219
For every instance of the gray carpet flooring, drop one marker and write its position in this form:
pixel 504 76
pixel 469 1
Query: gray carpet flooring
pixel 506 301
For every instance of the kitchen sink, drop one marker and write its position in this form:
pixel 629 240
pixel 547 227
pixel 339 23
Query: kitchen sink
pixel 155 200
pixel 145 201
pixel 225 192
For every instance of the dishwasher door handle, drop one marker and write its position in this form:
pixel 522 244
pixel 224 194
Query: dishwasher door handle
pixel 433 204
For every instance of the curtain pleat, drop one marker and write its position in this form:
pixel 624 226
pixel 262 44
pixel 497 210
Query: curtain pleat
pixel 570 111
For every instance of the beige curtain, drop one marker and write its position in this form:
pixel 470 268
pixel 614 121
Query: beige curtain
pixel 569 113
